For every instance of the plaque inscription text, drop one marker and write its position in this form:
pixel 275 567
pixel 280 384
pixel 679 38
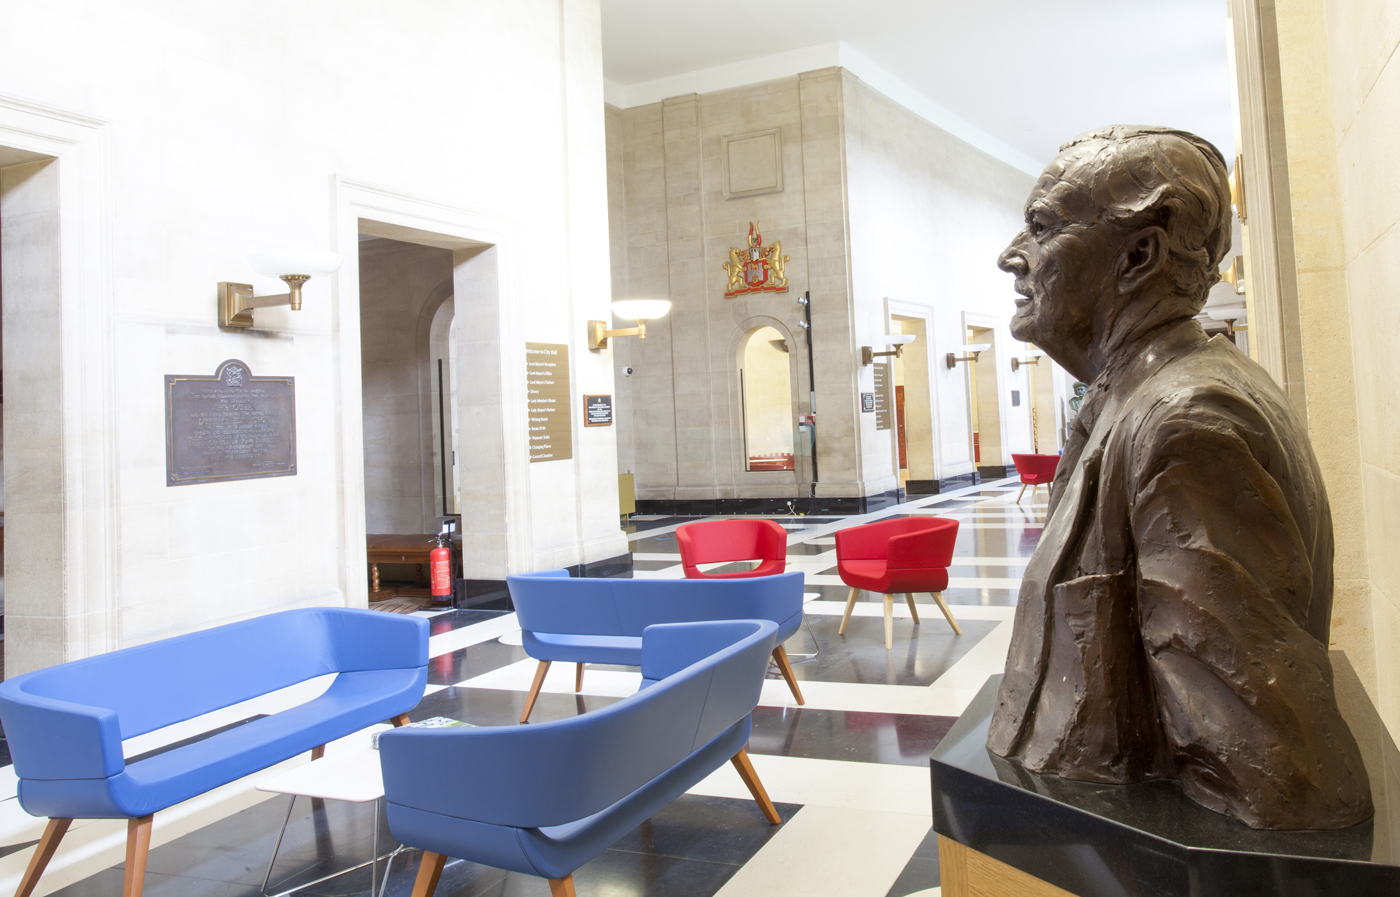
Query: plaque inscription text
pixel 231 426
pixel 551 412
pixel 884 403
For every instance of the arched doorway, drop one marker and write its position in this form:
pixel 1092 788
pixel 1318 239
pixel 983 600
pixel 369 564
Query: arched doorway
pixel 765 382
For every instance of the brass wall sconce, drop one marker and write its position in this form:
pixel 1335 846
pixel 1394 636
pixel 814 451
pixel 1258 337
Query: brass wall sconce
pixel 1018 363
pixel 972 351
pixel 292 267
pixel 1235 276
pixel 639 310
pixel 898 340
pixel 1230 315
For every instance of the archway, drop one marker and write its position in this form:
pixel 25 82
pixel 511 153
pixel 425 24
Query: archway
pixel 769 416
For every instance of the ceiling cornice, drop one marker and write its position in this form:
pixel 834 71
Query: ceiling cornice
pixel 795 62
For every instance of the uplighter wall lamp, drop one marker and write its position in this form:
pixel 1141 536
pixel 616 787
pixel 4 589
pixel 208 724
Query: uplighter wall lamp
pixel 1230 315
pixel 1235 275
pixel 639 310
pixel 1018 363
pixel 972 351
pixel 292 267
pixel 898 340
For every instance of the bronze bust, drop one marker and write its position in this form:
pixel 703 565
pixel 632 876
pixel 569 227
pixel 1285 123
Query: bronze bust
pixel 1173 621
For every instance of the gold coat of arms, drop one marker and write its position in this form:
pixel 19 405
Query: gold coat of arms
pixel 755 269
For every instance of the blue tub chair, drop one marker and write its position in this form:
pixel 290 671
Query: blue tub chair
pixel 65 724
pixel 585 620
pixel 545 799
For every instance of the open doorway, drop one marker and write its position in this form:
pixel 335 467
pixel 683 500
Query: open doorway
pixel 984 404
pixel 765 382
pixel 407 387
pixel 914 407
pixel 1045 438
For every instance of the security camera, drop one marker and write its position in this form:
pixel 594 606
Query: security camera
pixel 627 371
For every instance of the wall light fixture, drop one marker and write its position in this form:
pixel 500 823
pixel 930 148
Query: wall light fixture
pixel 1034 358
pixel 1230 315
pixel 972 350
pixel 639 310
pixel 294 267
pixel 1235 275
pixel 898 340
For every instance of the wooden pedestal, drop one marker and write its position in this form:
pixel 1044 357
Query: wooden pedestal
pixel 965 872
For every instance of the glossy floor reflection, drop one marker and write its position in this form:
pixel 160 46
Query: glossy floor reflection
pixel 689 849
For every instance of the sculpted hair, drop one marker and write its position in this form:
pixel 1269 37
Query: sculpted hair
pixel 1142 176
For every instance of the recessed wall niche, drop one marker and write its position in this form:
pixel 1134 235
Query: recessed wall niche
pixel 753 163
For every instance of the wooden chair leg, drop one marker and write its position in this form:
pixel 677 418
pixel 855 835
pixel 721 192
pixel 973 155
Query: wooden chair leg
pixel 318 752
pixel 562 887
pixel 53 833
pixel 1023 492
pixel 850 606
pixel 784 667
pixel 750 776
pixel 889 621
pixel 943 606
pixel 578 679
pixel 535 689
pixel 429 871
pixel 400 720
pixel 909 597
pixel 138 846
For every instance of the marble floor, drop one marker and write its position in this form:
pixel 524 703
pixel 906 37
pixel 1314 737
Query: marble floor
pixel 849 770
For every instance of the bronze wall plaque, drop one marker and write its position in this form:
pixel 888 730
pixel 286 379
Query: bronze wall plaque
pixel 231 426
pixel 551 411
pixel 884 404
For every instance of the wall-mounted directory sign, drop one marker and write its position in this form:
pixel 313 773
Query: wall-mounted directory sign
pixel 551 411
pixel 884 403
pixel 597 411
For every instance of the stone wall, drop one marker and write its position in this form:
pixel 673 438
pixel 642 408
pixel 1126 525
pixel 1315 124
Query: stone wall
pixel 192 134
pixel 880 212
pixel 929 216
pixel 1342 54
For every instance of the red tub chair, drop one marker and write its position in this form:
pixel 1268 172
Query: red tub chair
pixel 1035 470
pixel 908 555
pixel 733 541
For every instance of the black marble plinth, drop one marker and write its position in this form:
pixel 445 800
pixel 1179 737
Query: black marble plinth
pixel 1149 839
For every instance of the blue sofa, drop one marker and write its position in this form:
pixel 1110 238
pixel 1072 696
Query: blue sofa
pixel 545 799
pixel 585 620
pixel 65 724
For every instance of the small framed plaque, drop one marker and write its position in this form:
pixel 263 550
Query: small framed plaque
pixel 597 411
pixel 867 402
pixel 229 426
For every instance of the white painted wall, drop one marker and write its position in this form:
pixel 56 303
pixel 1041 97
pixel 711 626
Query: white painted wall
pixel 929 214
pixel 221 129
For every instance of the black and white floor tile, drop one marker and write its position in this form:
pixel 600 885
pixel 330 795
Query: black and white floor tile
pixel 849 770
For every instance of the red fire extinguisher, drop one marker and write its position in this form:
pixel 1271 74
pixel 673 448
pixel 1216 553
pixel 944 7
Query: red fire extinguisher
pixel 440 565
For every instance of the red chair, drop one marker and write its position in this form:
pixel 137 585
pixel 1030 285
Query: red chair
pixel 1035 470
pixel 732 541
pixel 910 554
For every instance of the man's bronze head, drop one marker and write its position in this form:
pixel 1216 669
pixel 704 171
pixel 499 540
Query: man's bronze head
pixel 1125 230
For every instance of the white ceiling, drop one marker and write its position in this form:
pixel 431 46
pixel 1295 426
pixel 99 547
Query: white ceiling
pixel 1029 74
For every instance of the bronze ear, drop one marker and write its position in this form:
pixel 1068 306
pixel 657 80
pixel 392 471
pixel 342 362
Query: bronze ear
pixel 1144 255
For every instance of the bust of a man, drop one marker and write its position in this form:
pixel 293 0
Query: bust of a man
pixel 1173 621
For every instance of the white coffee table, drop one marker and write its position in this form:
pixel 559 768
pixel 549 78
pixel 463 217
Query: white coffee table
pixel 349 771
